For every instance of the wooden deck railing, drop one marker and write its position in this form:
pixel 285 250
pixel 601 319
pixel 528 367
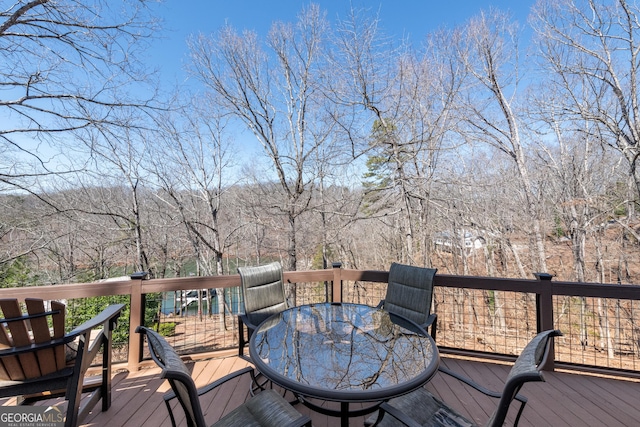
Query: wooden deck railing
pixel 553 304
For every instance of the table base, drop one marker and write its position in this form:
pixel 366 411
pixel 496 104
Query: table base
pixel 344 413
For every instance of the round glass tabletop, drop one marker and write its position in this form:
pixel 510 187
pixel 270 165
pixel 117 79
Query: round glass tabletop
pixel 343 352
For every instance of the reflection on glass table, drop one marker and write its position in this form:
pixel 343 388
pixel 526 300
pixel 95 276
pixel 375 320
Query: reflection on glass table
pixel 343 353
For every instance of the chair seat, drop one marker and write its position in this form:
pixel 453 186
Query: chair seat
pixel 425 409
pixel 266 409
pixel 6 386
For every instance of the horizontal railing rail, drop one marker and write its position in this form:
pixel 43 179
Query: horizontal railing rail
pixel 602 319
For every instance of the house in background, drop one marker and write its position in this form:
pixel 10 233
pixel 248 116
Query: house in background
pixel 448 241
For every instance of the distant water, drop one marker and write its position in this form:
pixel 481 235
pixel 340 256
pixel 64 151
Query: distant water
pixel 232 296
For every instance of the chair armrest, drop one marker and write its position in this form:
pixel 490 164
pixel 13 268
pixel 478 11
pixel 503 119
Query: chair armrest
pixel 385 408
pixel 247 322
pixel 101 343
pixel 207 388
pixel 431 322
pixel 477 386
pixel 14 351
pixel 111 313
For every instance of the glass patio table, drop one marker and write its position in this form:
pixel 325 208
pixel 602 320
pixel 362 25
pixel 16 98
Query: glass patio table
pixel 343 353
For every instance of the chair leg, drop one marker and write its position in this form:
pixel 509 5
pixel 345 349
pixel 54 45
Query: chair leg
pixel 173 420
pixel 241 341
pixel 73 392
pixel 259 383
pixel 434 326
pixel 105 386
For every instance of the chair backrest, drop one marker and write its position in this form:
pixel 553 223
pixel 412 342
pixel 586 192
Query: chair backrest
pixel 262 291
pixel 525 369
pixel 409 291
pixel 178 375
pixel 18 330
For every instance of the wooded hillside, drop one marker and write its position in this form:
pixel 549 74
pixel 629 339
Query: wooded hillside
pixel 494 148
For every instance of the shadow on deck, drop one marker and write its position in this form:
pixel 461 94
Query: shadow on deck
pixel 566 399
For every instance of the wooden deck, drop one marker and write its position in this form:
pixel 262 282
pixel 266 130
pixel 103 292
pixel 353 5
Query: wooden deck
pixel 566 399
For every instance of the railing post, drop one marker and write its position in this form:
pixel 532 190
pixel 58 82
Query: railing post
pixel 136 318
pixel 544 312
pixel 336 286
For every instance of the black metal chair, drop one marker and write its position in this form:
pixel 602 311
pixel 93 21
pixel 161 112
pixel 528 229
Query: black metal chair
pixel 263 294
pixel 39 361
pixel 421 408
pixel 267 408
pixel 409 294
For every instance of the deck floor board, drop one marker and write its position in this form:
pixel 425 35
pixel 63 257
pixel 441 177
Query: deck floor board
pixel 565 399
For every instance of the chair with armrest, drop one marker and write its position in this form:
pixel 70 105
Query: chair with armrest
pixel 409 294
pixel 39 361
pixel 421 408
pixel 267 408
pixel 263 294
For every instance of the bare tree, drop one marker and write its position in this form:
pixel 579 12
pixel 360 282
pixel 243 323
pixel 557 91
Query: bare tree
pixel 492 104
pixel 407 98
pixel 579 175
pixel 275 94
pixel 64 66
pixel 592 49
pixel 189 161
pixel 112 185
pixel 18 228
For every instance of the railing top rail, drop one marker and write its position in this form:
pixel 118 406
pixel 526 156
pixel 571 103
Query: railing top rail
pixel 68 291
pixel 123 287
pixel 187 283
pixel 596 290
pixel 585 289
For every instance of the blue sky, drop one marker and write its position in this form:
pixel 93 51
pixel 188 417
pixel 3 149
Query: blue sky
pixel 413 18
pixel 399 18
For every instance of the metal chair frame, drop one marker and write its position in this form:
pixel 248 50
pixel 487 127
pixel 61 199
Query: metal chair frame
pixel 430 410
pixel 267 408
